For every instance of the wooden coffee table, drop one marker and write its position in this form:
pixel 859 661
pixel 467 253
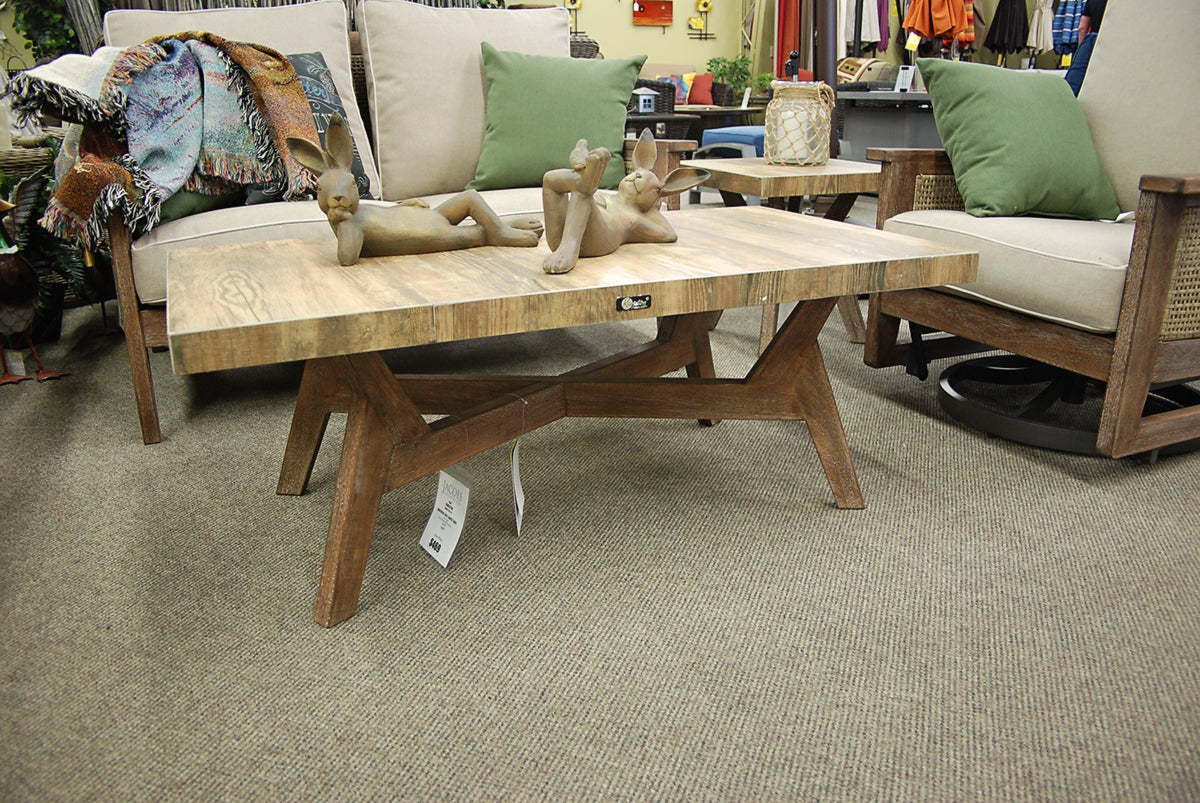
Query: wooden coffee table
pixel 783 185
pixel 259 303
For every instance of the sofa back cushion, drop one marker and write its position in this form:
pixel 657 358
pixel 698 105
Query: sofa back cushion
pixel 319 26
pixel 427 89
pixel 1142 121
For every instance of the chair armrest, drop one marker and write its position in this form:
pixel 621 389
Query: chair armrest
pixel 899 169
pixel 1174 184
pixel 1164 263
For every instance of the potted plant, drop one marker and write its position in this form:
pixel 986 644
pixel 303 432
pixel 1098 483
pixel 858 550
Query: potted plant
pixel 730 78
pixel 762 85
pixel 46 27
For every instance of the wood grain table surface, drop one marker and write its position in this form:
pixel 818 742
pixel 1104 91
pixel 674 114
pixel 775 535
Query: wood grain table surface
pixel 239 305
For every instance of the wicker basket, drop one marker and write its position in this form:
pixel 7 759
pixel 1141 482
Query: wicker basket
pixel 664 100
pixel 797 123
pixel 584 47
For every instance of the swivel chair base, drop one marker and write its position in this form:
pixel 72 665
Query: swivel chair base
pixel 1031 408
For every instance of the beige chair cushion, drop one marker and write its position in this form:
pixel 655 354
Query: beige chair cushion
pixel 426 84
pixel 1143 111
pixel 319 26
pixel 277 221
pixel 1067 271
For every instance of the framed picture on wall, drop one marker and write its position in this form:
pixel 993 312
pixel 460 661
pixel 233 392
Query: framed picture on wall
pixel 653 12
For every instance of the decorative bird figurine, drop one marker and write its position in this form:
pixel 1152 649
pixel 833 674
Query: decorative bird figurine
pixel 18 298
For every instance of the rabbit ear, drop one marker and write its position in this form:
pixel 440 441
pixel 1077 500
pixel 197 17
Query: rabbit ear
pixel 338 143
pixel 645 153
pixel 684 178
pixel 308 154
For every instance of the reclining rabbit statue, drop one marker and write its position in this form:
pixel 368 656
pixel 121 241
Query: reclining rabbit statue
pixel 409 227
pixel 580 223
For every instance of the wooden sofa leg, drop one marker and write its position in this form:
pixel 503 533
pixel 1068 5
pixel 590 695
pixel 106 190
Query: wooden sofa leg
pixel 880 348
pixel 135 333
pixel 143 382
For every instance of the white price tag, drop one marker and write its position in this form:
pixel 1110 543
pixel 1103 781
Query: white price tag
pixel 14 362
pixel 518 491
pixel 445 524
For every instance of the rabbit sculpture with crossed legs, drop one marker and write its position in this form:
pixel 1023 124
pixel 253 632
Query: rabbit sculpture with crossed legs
pixel 409 227
pixel 580 223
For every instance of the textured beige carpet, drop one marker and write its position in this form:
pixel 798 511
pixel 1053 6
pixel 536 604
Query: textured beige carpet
pixel 685 616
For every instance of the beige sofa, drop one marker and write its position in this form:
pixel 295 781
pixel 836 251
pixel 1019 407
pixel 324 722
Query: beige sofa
pixel 426 97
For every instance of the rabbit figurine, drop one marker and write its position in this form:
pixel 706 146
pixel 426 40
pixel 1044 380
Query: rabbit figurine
pixel 409 227
pixel 580 223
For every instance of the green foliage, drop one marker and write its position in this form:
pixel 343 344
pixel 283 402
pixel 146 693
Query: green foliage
pixel 491 3
pixel 54 261
pixel 762 82
pixel 46 26
pixel 734 72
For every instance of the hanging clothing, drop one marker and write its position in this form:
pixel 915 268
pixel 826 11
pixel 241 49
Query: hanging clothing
pixel 885 25
pixel 965 37
pixel 1066 26
pixel 1041 28
pixel 870 24
pixel 934 18
pixel 1009 29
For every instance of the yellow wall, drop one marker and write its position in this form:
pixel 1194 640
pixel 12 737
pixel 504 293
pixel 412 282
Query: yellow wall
pixel 13 55
pixel 610 23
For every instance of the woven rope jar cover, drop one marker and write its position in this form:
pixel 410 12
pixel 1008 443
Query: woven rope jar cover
pixel 797 123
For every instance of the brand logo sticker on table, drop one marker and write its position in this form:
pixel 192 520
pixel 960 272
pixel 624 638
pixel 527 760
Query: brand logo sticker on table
pixel 630 303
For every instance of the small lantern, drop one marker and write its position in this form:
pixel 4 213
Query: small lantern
pixel 645 98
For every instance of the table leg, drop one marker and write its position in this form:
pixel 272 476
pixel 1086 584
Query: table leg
pixel 794 356
pixel 388 443
pixel 361 475
pixel 311 416
pixel 379 417
pixel 852 318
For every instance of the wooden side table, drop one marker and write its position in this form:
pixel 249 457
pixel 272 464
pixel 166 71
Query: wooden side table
pixel 775 185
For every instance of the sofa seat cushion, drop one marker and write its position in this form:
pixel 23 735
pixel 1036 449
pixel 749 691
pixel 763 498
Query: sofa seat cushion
pixel 512 201
pixel 273 221
pixel 1067 271
pixel 320 26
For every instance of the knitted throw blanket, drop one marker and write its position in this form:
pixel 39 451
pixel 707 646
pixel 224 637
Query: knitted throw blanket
pixel 187 111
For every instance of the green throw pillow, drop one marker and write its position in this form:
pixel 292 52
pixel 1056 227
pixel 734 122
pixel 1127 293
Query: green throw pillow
pixel 1018 142
pixel 538 107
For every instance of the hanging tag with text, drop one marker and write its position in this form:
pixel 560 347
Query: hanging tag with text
pixel 445 524
pixel 913 40
pixel 518 491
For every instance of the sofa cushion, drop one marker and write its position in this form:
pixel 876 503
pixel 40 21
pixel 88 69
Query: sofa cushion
pixel 701 91
pixel 1018 141
pixel 318 26
pixel 1067 271
pixel 538 107
pixel 426 85
pixel 1142 120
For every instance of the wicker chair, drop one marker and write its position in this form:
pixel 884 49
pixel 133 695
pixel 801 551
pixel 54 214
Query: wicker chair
pixel 1154 348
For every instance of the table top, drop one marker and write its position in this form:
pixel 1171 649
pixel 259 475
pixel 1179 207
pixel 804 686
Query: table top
pixel 755 177
pixel 899 97
pixel 709 111
pixel 257 303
